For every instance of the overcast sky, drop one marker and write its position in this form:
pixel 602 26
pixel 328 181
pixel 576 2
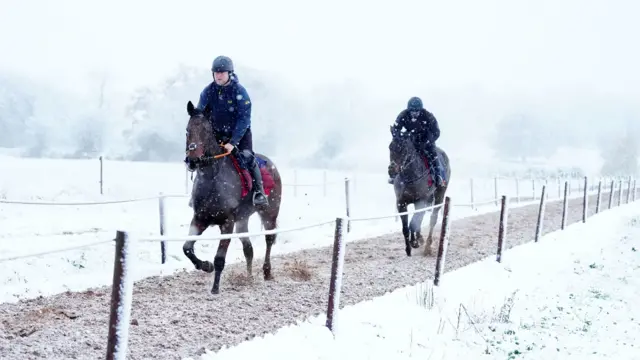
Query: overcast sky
pixel 491 44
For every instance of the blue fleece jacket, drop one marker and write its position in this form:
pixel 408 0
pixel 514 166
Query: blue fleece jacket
pixel 231 108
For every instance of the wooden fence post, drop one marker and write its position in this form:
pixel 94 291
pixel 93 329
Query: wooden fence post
pixel 121 296
pixel 163 244
pixel 444 242
pixel 565 205
pixel 540 214
pixel 337 265
pixel 472 198
pixel 502 229
pixel 611 194
pixel 101 176
pixel 620 194
pixel 599 200
pixel 533 189
pixel 585 199
pixel 347 196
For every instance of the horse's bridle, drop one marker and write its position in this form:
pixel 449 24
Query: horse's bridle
pixel 407 160
pixel 205 160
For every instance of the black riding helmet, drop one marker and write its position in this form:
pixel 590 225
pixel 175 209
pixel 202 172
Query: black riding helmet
pixel 414 104
pixel 222 64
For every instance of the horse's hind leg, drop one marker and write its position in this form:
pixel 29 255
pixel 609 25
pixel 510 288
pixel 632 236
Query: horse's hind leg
pixel 269 223
pixel 242 226
pixel 196 228
pixel 439 199
pixel 221 254
pixel 416 223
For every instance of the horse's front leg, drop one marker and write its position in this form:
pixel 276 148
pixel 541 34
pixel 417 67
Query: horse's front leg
pixel 416 223
pixel 221 254
pixel 196 228
pixel 402 207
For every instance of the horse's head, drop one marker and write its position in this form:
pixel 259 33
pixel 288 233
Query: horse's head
pixel 401 149
pixel 201 142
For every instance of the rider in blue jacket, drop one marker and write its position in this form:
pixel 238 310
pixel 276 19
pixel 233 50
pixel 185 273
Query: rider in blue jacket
pixel 231 118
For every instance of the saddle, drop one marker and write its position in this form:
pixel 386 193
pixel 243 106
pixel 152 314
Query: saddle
pixel 247 180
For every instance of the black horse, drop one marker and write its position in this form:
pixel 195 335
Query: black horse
pixel 219 197
pixel 413 185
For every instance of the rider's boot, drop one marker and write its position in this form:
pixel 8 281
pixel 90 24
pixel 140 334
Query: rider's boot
pixel 436 173
pixel 259 198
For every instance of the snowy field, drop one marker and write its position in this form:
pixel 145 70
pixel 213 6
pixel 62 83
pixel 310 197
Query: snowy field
pixel 572 296
pixel 27 229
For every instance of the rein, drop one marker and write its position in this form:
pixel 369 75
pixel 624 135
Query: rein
pixel 405 164
pixel 203 160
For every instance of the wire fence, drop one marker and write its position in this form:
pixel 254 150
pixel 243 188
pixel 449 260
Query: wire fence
pixel 122 282
pixel 498 181
pixel 339 249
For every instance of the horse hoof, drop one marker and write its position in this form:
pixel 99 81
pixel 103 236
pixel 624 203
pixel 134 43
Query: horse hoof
pixel 414 244
pixel 267 275
pixel 207 266
pixel 215 291
pixel 408 250
pixel 428 251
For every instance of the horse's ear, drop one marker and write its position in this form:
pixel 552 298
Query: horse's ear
pixel 190 108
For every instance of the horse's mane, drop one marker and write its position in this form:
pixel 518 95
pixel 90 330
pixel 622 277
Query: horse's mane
pixel 398 143
pixel 198 112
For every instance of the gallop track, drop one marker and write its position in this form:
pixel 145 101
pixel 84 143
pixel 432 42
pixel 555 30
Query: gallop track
pixel 175 316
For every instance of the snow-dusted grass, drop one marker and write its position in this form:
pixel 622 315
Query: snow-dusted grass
pixel 573 295
pixel 26 229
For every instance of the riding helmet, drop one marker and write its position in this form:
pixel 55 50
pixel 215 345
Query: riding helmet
pixel 415 103
pixel 221 64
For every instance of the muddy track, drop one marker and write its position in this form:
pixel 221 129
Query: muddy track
pixel 174 316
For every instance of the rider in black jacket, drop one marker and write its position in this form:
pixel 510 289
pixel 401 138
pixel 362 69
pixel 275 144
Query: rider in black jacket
pixel 425 130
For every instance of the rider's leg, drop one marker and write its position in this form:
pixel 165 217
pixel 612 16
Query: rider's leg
pixel 246 147
pixel 434 164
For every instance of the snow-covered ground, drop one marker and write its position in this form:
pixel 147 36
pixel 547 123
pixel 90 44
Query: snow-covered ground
pixel 27 229
pixel 573 295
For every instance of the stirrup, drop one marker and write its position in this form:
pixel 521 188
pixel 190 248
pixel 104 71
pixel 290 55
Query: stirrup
pixel 264 202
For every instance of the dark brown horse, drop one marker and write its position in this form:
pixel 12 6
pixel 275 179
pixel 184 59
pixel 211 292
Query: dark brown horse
pixel 221 195
pixel 413 185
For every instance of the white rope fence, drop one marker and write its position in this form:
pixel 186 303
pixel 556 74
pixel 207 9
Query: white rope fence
pixel 339 247
pixel 348 218
pixel 122 284
pixel 233 235
pixel 71 248
pixel 80 203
